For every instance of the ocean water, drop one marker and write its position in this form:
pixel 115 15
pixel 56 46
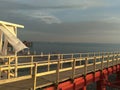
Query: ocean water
pixel 50 47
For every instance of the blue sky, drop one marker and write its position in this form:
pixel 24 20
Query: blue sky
pixel 92 21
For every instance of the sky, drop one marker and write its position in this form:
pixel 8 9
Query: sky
pixel 83 21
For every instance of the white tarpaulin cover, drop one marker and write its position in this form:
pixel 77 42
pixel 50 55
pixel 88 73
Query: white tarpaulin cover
pixel 12 39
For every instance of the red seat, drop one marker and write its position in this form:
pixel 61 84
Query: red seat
pixel 68 87
pixel 97 76
pixel 79 83
pixel 89 78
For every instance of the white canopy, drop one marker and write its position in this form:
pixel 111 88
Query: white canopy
pixel 9 31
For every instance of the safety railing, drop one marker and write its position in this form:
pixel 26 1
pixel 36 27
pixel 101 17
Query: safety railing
pixel 17 68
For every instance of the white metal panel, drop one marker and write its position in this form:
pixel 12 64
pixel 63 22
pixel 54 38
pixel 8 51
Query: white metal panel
pixel 12 39
pixel 11 24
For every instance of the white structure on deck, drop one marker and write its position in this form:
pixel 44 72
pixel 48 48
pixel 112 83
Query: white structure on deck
pixel 8 35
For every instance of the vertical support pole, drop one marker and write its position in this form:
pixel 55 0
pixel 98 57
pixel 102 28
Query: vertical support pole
pixel 72 56
pixel 49 62
pixel 34 76
pixel 57 72
pixel 73 69
pixel 102 62
pixel 58 56
pixel 31 65
pixel 85 66
pixel 61 58
pixel 108 61
pixel 113 58
pixel 117 58
pixel 16 64
pixel 94 64
pixel 8 76
pixel 80 59
pixel 99 56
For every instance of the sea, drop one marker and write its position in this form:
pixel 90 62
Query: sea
pixel 58 47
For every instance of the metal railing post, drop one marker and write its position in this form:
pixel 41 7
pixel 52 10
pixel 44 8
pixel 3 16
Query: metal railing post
pixel 73 68
pixel 72 56
pixel 117 59
pixel 94 64
pixel 8 76
pixel 57 72
pixel 113 58
pixel 99 56
pixel 80 59
pixel 85 66
pixel 102 62
pixel 108 60
pixel 49 62
pixel 31 66
pixel 61 58
pixel 16 64
pixel 34 76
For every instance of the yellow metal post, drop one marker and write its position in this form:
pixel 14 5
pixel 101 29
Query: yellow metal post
pixel 9 68
pixel 73 68
pixel 85 66
pixel 72 56
pixel 49 62
pixel 16 64
pixel 117 58
pixel 94 64
pixel 61 59
pixel 113 58
pixel 57 72
pixel 34 76
pixel 80 59
pixel 102 62
pixel 31 66
pixel 108 60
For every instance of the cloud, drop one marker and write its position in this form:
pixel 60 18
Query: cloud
pixel 47 18
pixel 50 19
pixel 46 11
pixel 39 15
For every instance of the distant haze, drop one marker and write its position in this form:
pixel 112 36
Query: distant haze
pixel 92 21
